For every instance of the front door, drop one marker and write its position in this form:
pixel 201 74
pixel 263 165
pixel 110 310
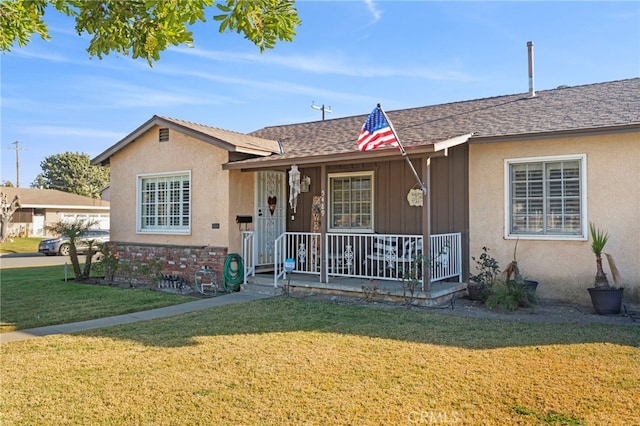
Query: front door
pixel 271 213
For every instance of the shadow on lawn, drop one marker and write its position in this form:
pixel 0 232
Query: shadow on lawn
pixel 282 315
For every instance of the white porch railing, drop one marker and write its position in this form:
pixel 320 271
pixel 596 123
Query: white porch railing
pixel 303 248
pixel 370 256
pixel 446 256
pixel 248 254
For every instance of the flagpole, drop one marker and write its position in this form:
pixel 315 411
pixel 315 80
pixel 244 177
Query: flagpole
pixel 404 153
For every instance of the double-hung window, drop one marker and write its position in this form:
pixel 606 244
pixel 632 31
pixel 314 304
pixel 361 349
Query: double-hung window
pixel 351 202
pixel 164 203
pixel 546 197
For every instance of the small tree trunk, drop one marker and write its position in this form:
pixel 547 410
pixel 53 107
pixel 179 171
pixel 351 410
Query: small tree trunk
pixel 4 230
pixel 87 262
pixel 601 277
pixel 73 254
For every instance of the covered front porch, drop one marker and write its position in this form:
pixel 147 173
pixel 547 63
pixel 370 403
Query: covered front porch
pixel 389 267
pixel 361 223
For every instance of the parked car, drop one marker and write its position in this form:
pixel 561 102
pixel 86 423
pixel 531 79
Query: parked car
pixel 61 246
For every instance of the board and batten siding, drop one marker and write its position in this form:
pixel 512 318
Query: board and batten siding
pixel 392 182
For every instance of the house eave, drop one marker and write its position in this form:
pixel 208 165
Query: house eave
pixel 104 157
pixel 341 158
pixel 220 143
pixel 251 151
pixel 596 131
pixel 437 149
pixel 62 207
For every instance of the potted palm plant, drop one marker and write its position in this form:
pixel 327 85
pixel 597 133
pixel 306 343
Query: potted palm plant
pixel 606 299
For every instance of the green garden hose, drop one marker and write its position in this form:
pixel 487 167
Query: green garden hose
pixel 233 274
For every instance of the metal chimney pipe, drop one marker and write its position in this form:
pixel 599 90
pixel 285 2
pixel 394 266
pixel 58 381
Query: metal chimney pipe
pixel 532 92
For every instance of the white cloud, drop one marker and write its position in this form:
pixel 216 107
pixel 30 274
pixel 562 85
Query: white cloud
pixel 37 54
pixel 332 63
pixel 113 93
pixel 377 14
pixel 72 132
pixel 262 86
pixel 128 95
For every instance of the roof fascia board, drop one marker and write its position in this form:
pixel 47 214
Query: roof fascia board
pixel 334 159
pixel 450 143
pixel 230 147
pixel 199 135
pixel 437 149
pixel 58 206
pixel 160 121
pixel 554 135
pixel 105 155
pixel 212 139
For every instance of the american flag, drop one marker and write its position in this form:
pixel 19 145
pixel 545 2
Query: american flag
pixel 376 132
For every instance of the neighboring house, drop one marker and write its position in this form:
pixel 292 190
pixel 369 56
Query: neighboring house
pixel 105 193
pixel 536 169
pixel 40 208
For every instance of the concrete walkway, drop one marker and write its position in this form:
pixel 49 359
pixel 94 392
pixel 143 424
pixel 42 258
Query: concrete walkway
pixel 168 311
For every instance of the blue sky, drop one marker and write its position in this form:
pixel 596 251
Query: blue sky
pixel 347 55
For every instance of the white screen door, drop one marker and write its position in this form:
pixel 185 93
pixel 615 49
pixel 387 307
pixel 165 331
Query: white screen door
pixel 271 211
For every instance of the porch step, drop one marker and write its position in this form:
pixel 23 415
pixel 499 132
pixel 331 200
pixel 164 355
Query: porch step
pixel 261 288
pixel 441 294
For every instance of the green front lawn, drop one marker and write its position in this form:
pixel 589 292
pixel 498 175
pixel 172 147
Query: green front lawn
pixel 35 297
pixel 288 361
pixel 291 362
pixel 20 245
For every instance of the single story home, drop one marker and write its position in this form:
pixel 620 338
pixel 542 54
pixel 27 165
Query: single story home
pixel 40 208
pixel 534 168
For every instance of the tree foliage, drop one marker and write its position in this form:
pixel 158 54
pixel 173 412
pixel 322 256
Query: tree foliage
pixel 72 172
pixel 19 20
pixel 144 28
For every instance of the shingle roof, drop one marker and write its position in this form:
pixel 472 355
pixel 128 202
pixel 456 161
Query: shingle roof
pixel 51 198
pixel 565 109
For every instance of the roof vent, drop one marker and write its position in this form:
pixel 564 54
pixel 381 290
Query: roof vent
pixel 163 135
pixel 532 92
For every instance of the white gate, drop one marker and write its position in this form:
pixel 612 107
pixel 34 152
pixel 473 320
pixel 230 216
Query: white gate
pixel 271 210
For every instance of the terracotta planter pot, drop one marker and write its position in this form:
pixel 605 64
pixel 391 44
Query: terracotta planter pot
pixel 606 301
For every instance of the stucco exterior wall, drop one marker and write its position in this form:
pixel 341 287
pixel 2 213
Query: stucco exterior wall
pixel 564 269
pixel 241 202
pixel 210 188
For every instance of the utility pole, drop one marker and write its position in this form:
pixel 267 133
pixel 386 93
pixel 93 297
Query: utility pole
pixel 17 148
pixel 322 108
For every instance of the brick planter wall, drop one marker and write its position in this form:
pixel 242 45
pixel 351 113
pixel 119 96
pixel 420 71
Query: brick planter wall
pixel 175 260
